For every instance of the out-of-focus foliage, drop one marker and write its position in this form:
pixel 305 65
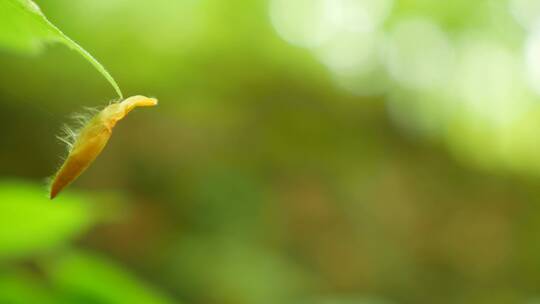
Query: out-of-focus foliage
pixel 307 151
pixel 24 28
pixel 30 223
pixel 18 287
pixel 85 278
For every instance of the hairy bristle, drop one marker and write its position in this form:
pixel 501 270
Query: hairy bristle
pixel 71 131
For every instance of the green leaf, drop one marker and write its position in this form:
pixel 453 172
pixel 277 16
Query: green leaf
pixel 14 287
pixel 30 222
pixel 86 278
pixel 24 28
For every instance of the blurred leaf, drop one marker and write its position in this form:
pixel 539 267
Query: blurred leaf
pixel 24 28
pixel 15 287
pixel 29 221
pixel 89 279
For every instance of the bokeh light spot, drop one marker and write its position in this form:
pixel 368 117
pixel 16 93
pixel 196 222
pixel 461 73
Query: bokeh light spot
pixel 305 23
pixel 532 58
pixel 350 53
pixel 526 12
pixel 418 54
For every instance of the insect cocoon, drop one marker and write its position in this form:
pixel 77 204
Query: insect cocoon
pixel 87 143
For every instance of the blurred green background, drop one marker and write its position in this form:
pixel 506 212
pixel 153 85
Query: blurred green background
pixel 304 151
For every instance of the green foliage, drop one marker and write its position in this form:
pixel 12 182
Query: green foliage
pixel 76 277
pixel 24 28
pixel 86 278
pixel 263 178
pixel 29 222
pixel 15 286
